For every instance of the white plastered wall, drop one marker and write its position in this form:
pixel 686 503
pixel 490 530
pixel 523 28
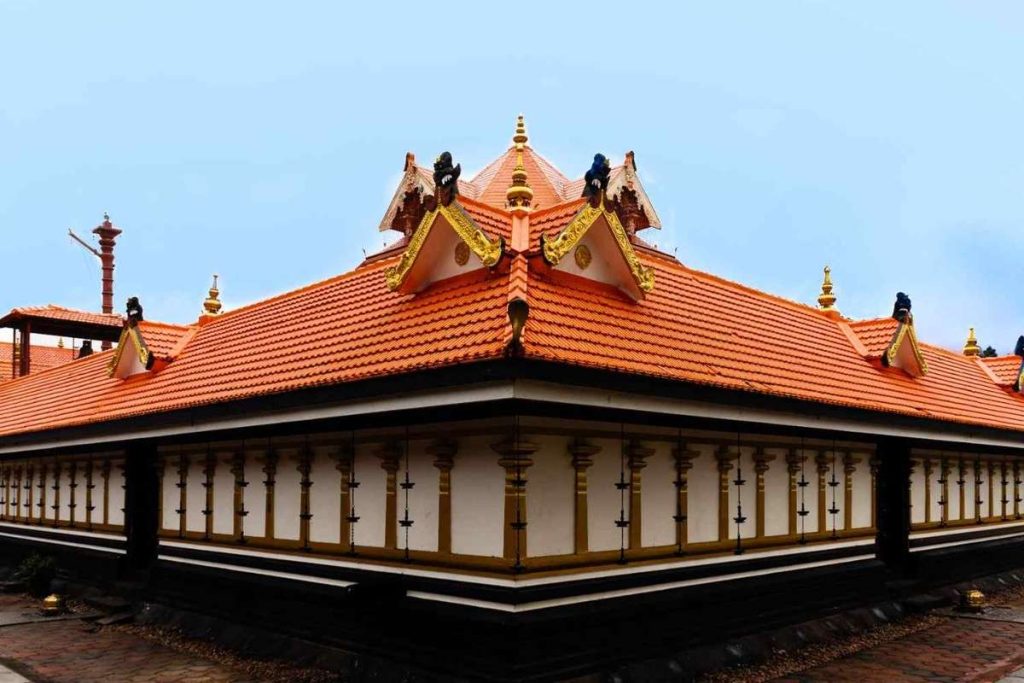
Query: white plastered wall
pixel 286 495
pixel 422 499
pixel 776 494
pixel 195 494
pixel 324 499
pixel 369 499
pixel 478 499
pixel 550 498
pixel 169 495
pixel 603 499
pixel 702 497
pixel 746 494
pixel 862 494
pixel 659 498
pixel 254 496
pixel 223 495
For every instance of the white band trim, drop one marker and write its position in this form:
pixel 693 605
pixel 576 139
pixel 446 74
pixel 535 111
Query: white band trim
pixel 259 572
pixel 72 532
pixel 626 592
pixel 952 544
pixel 53 541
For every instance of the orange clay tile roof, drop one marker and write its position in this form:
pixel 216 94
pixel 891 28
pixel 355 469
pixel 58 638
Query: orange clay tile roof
pixel 42 358
pixel 692 328
pixel 1006 369
pixel 52 312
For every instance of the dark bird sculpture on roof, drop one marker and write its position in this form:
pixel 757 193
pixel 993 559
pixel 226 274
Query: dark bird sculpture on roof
pixel 1018 350
pixel 446 178
pixel 596 177
pixel 134 310
pixel 901 309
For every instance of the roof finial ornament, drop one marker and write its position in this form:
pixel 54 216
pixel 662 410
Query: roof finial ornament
pixel 60 342
pixel 596 180
pixel 519 194
pixel 901 309
pixel 971 347
pixel 133 309
pixel 212 304
pixel 827 300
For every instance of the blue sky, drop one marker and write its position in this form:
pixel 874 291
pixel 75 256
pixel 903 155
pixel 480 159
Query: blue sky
pixel 262 141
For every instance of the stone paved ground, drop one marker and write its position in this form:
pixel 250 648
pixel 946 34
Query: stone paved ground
pixel 77 652
pixel 955 649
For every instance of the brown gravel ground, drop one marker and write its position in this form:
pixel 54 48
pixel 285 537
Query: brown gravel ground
pixel 269 671
pixel 782 663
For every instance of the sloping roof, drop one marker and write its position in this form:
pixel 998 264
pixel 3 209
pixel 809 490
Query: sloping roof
pixel 693 327
pixel 52 312
pixel 42 358
pixel 1006 369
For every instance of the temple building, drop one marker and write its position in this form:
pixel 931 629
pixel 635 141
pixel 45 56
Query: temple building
pixel 521 435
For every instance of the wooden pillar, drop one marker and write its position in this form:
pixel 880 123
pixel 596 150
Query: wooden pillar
pixel 944 483
pixel 209 472
pixel 41 502
pixel 684 458
pixel 1004 513
pixel 794 460
pixel 991 466
pixel 105 474
pixel 515 458
pixel 961 470
pixel 761 460
pixel 344 459
pixel 90 485
pixel 725 459
pixel 637 455
pixel 926 463
pixel 978 500
pixel 269 459
pixel 582 455
pixel 443 452
pixel 893 502
pixel 850 462
pixel 305 466
pixel 30 484
pixel 58 471
pixel 183 467
pixel 237 463
pixel 821 461
pixel 390 454
pixel 1016 489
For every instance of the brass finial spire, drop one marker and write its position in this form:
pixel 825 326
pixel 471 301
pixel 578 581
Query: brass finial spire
pixel 827 300
pixel 519 194
pixel 971 347
pixel 212 304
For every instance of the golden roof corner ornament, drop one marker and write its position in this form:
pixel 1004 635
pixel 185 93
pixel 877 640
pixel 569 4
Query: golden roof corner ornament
pixel 827 299
pixel 971 346
pixel 519 196
pixel 212 305
pixel 556 248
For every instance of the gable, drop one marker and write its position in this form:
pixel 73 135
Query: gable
pixel 132 356
pixel 596 236
pixel 904 352
pixel 447 242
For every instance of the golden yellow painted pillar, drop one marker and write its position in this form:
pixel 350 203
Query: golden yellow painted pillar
pixel 443 451
pixel 269 460
pixel 105 475
pixel 637 455
pixel 5 482
pixel 961 469
pixel 927 463
pixel 209 472
pixel 305 468
pixel 725 459
pixel 18 470
pixel 41 502
pixel 850 462
pixel 1016 489
pixel 582 453
pixel 684 458
pixel 944 472
pixel 515 459
pixel 390 454
pixel 58 471
pixel 90 485
pixel 822 462
pixel 761 460
pixel 183 467
pixel 794 460
pixel 237 464
pixel 30 477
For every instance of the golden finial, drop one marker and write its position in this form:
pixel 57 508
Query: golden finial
pixel 971 347
pixel 212 304
pixel 827 300
pixel 519 194
pixel 60 342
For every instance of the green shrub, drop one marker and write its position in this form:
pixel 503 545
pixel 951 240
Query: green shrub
pixel 36 572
